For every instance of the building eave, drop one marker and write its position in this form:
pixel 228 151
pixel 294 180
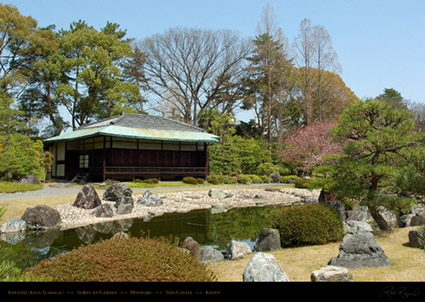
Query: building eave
pixel 137 133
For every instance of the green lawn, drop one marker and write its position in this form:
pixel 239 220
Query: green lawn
pixel 136 185
pixel 13 187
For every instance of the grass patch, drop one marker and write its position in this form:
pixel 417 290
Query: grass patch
pixel 164 184
pixel 408 264
pixel 14 187
pixel 16 207
pixel 141 185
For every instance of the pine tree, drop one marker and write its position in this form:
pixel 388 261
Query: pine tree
pixel 376 138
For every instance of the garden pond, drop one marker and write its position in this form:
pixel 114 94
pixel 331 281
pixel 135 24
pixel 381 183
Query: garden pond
pixel 207 228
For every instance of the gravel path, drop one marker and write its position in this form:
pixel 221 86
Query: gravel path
pixel 50 189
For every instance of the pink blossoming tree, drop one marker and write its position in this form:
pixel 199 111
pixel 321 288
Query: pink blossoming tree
pixel 305 147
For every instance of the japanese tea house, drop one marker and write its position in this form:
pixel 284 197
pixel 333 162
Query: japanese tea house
pixel 131 146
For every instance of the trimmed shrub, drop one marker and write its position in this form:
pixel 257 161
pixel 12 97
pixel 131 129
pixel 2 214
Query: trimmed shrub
pixel 255 179
pixel 190 180
pixel 265 179
pixel 200 181
pixel 290 178
pixel 284 170
pixel 302 183
pixel 125 260
pixel 109 182
pixel 266 168
pixel 224 179
pixel 137 181
pixel 245 179
pixel 213 181
pixel 308 224
pixel 151 181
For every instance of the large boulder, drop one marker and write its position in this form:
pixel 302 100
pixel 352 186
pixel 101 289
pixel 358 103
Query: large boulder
pixel 331 274
pixel 417 238
pixel 268 240
pixel 29 180
pixel 124 200
pixel 360 250
pixel 104 210
pixel 219 194
pixel 41 217
pixel 14 225
pixel 360 213
pixel 416 211
pixel 238 249
pixel 417 219
pixel 115 192
pixel 124 208
pixel 354 227
pixel 210 254
pixel 264 268
pixel 193 246
pixel 150 199
pixel 383 218
pixel 87 198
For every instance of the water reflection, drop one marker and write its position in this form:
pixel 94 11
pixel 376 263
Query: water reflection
pixel 242 224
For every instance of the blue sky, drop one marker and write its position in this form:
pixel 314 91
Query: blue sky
pixel 380 43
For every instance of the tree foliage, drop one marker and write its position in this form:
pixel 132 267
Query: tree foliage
pixel 306 146
pixel 269 79
pixel 238 155
pixel 377 138
pixel 18 39
pixel 94 88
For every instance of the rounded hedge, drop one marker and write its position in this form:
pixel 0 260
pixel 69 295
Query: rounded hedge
pixel 190 180
pixel 308 224
pixel 125 260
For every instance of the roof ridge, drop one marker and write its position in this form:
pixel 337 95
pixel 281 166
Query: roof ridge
pixel 116 118
pixel 98 122
pixel 198 128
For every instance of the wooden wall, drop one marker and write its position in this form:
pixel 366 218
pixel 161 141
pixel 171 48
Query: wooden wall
pixel 147 158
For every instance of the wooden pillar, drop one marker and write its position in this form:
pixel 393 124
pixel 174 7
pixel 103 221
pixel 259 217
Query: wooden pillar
pixel 104 159
pixel 207 161
pixel 56 159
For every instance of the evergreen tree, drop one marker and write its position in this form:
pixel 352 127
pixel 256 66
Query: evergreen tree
pixel 376 138
pixel 19 155
pixel 393 97
pixel 268 82
pixel 94 88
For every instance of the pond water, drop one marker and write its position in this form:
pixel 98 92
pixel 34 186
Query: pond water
pixel 218 229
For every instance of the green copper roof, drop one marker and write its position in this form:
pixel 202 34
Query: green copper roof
pixel 137 133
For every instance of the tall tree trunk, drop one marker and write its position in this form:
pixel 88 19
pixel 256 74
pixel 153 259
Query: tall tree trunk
pixel 373 209
pixel 58 127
